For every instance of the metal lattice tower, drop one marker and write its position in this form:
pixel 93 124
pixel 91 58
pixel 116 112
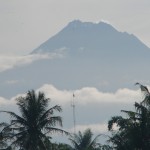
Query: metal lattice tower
pixel 74 114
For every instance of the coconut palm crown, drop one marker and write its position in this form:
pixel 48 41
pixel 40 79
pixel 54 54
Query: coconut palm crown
pixel 84 141
pixel 33 127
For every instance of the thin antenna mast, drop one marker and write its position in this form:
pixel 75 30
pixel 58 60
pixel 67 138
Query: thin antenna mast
pixel 74 115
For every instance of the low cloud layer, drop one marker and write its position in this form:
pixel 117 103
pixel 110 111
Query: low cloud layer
pixel 84 98
pixel 11 61
pixel 92 95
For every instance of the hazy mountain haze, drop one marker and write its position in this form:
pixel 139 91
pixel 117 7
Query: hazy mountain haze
pixel 93 60
pixel 90 55
pixel 85 37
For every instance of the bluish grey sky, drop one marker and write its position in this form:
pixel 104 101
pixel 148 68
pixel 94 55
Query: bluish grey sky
pixel 25 24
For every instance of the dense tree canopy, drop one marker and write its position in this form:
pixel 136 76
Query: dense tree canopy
pixel 133 131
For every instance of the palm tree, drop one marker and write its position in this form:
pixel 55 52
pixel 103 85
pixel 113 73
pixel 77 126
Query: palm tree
pixel 134 131
pixel 60 146
pixel 83 141
pixel 32 129
pixel 5 135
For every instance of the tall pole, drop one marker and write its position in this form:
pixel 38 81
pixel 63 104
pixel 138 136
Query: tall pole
pixel 74 115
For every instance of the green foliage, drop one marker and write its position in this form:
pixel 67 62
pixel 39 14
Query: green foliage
pixel 5 135
pixel 31 130
pixel 134 131
pixel 60 146
pixel 84 141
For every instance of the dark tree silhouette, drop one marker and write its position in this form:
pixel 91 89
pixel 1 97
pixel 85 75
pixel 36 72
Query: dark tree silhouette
pixel 134 130
pixel 84 141
pixel 34 127
pixel 5 135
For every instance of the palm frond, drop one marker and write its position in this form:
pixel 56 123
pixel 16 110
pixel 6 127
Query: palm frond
pixel 75 144
pixel 30 129
pixel 55 130
pixel 94 141
pixel 12 114
pixel 50 111
pixel 118 120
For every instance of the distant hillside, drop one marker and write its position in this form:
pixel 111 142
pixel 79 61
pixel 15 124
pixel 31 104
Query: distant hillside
pixel 98 40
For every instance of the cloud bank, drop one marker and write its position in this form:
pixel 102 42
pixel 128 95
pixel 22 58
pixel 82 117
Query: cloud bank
pixel 86 96
pixel 11 61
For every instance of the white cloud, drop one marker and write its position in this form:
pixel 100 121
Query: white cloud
pixel 4 101
pixel 105 21
pixel 11 61
pixel 11 81
pixel 92 95
pixel 83 97
pixel 8 105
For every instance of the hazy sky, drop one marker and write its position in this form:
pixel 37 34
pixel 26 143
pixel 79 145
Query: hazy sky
pixel 25 24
